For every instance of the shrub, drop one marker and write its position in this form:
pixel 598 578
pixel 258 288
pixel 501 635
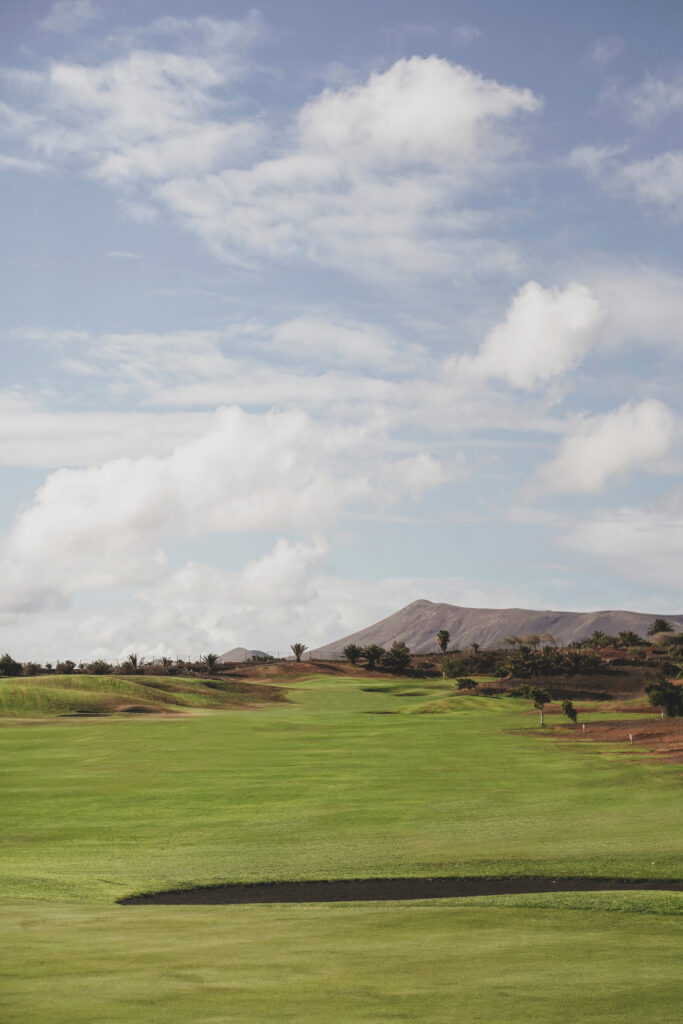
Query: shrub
pixel 65 668
pixel 466 684
pixel 31 668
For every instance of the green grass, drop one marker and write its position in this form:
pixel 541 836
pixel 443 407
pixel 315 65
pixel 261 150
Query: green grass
pixel 348 964
pixel 325 787
pixel 330 785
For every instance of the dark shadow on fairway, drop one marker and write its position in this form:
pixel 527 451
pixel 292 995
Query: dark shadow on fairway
pixel 366 889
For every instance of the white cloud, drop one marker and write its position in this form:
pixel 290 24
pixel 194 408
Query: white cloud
pixel 105 526
pixel 370 178
pixel 546 332
pixel 599 448
pixel 69 16
pixel 421 111
pixel 641 544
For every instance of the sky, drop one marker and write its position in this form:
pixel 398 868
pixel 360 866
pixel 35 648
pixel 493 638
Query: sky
pixel 311 310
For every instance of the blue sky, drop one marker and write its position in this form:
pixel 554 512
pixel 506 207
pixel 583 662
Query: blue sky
pixel 311 310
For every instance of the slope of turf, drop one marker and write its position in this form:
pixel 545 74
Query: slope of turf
pixel 58 695
pixel 328 786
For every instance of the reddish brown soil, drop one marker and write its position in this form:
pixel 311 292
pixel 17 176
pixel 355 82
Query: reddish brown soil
pixel 371 889
pixel 662 737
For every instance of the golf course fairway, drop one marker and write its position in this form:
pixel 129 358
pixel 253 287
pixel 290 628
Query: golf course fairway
pixel 340 782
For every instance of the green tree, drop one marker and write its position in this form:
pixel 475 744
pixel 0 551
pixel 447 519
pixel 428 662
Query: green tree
pixel 569 710
pixel 373 655
pixel 667 696
pixel 9 667
pixel 538 697
pixel 451 667
pixel 99 667
pixel 209 661
pixel 298 650
pixel 443 638
pixel 353 653
pixel 398 658
pixel 659 626
pixel 65 668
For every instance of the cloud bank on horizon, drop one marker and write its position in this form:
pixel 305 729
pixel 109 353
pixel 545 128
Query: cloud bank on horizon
pixel 304 324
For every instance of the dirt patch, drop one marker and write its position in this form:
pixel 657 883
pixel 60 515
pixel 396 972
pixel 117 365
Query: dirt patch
pixel 662 737
pixel 374 889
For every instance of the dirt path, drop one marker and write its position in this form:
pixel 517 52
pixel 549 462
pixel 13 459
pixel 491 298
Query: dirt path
pixel 366 889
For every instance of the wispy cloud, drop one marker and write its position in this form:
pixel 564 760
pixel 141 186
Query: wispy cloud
pixel 605 50
pixel 70 16
pixel 374 176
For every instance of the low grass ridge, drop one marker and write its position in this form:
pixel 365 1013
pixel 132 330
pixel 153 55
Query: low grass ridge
pixel 81 694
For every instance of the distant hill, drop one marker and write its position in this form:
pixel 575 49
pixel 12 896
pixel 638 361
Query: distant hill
pixel 239 654
pixel 418 623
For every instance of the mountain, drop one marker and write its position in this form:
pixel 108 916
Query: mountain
pixel 238 654
pixel 418 623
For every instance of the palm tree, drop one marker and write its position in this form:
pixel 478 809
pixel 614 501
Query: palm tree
pixel 443 638
pixel 627 638
pixel 353 653
pixel 373 654
pixel 659 626
pixel 133 664
pixel 298 650
pixel 209 661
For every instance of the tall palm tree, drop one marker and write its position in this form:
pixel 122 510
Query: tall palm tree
pixel 209 661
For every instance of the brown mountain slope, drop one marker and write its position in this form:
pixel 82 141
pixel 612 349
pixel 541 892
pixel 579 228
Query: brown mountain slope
pixel 418 623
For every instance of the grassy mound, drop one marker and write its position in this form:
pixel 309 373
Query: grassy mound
pixel 47 696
